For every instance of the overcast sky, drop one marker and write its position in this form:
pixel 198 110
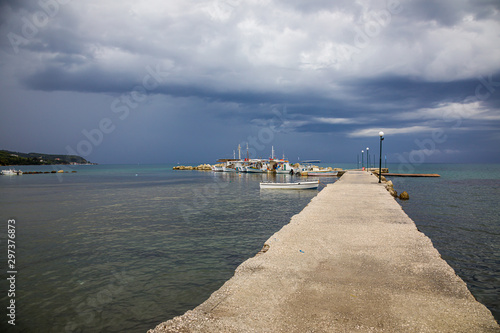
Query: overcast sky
pixel 187 81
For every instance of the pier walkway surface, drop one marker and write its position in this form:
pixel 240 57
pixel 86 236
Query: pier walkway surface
pixel 351 261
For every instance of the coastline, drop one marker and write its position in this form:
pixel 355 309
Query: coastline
pixel 386 274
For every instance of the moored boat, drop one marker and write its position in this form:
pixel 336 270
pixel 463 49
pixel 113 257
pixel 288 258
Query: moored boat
pixel 11 172
pixel 216 168
pixel 322 173
pixel 309 185
pixel 228 169
pixel 241 168
pixel 253 169
pixel 284 167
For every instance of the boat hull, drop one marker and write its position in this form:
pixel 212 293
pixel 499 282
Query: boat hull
pixel 291 186
pixel 253 170
pixel 322 174
pixel 11 172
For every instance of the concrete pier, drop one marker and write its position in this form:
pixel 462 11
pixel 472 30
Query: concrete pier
pixel 351 261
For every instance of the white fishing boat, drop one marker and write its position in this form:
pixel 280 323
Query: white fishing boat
pixel 228 169
pixel 11 172
pixel 253 169
pixel 284 167
pixel 241 168
pixel 216 168
pixel 310 185
pixel 322 173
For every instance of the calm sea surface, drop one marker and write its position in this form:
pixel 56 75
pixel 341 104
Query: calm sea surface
pixel 460 212
pixel 123 248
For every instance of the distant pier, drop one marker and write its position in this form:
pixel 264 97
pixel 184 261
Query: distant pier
pixel 351 261
pixel 411 174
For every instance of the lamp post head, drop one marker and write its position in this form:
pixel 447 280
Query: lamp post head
pixel 381 134
pixel 367 148
pixel 362 151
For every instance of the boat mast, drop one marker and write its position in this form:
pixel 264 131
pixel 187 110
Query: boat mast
pixel 272 152
pixel 248 157
pixel 239 152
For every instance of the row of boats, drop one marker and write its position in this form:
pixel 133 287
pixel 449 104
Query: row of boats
pixel 255 166
pixel 278 166
pixel 271 165
pixel 275 166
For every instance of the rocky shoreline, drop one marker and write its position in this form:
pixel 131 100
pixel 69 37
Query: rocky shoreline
pixel 201 167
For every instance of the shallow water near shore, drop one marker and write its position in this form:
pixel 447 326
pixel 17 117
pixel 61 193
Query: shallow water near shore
pixel 123 248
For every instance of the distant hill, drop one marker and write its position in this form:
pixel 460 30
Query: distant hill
pixel 15 158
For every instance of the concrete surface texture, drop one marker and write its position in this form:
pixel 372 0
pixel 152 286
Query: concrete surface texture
pixel 351 261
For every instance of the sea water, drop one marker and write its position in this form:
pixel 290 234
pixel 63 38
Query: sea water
pixel 123 248
pixel 460 213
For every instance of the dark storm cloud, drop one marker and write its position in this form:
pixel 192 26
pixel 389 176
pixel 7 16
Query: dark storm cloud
pixel 340 67
pixel 406 93
pixel 57 78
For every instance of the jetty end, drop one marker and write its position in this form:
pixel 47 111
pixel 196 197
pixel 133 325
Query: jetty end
pixel 351 261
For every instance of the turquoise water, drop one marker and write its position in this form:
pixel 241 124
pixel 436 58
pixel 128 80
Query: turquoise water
pixel 123 248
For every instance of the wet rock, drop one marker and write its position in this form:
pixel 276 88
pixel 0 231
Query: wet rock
pixel 393 192
pixel 404 196
pixel 204 167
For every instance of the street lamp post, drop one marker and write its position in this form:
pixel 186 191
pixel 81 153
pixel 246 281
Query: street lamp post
pixel 362 158
pixel 381 134
pixel 367 158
